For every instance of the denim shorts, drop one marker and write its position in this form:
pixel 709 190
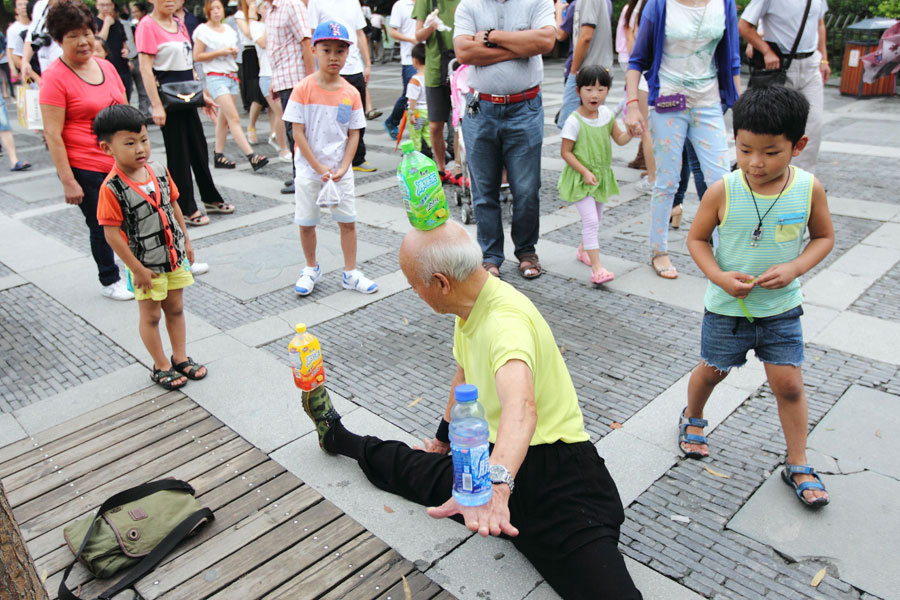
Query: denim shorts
pixel 777 340
pixel 4 116
pixel 220 84
pixel 265 84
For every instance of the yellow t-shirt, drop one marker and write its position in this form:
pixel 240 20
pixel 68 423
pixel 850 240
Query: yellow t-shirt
pixel 504 325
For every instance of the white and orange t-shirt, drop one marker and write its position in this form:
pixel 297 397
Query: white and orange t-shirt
pixel 328 117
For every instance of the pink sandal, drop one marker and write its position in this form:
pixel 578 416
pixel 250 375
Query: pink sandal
pixel 582 256
pixel 602 276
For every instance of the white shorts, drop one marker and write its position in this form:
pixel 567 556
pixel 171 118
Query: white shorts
pixel 306 191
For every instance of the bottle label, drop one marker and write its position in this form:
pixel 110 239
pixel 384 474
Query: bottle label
pixel 471 469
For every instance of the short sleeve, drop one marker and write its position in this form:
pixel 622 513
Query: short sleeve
pixel 571 127
pixel 412 89
pixel 396 19
pixel 257 30
pixel 304 18
pixel 754 11
pixel 569 20
pixel 53 90
pixel 145 37
pixel 200 35
pixel 109 213
pixel 420 10
pixel 513 339
pixel 464 22
pixel 544 15
pixel 590 12
pixel 357 119
pixel 360 22
pixel 823 8
pixel 174 194
pixel 312 13
pixel 293 112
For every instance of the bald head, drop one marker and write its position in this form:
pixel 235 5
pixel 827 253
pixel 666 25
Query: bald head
pixel 446 249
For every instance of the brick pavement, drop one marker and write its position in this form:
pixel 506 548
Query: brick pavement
pixel 880 300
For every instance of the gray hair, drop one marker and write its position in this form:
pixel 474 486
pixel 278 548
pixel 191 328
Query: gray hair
pixel 456 259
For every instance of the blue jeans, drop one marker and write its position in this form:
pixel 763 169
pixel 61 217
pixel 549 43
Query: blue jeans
pixel 570 102
pixel 689 164
pixel 510 136
pixel 400 105
pixel 705 128
pixel 776 340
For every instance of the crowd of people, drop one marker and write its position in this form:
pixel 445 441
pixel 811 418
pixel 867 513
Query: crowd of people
pixel 308 62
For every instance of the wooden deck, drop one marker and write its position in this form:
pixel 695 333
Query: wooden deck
pixel 273 536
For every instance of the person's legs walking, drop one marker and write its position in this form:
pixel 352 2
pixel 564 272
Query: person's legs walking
pixel 668 131
pixel 570 102
pixel 482 137
pixel 178 159
pixel 805 77
pixel 700 184
pixel 521 131
pixel 90 182
pixel 393 120
pixel 199 159
pixel 684 178
pixel 284 96
pixel 438 100
pixel 358 80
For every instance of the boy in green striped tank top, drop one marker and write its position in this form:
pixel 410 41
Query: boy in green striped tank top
pixel 753 299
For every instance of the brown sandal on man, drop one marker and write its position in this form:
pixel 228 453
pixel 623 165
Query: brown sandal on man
pixel 197 220
pixel 669 272
pixel 491 268
pixel 530 266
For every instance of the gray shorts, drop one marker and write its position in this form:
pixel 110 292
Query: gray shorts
pixel 438 99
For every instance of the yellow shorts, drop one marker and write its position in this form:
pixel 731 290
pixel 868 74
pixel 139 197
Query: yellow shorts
pixel 162 283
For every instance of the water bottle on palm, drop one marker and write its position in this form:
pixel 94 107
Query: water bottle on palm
pixel 469 446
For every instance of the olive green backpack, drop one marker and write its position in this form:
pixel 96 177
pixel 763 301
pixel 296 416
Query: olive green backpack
pixel 135 528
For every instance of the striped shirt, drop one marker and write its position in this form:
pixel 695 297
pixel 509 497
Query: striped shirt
pixel 781 242
pixel 286 27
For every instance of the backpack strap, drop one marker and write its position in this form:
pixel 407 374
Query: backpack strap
pixel 168 543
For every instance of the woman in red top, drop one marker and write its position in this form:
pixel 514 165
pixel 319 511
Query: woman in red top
pixel 74 88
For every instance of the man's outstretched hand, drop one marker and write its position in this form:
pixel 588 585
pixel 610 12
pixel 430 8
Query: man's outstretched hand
pixel 491 518
pixel 434 445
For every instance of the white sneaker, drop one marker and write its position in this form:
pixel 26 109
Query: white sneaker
pixel 355 280
pixel 644 186
pixel 286 157
pixel 273 142
pixel 117 291
pixel 199 268
pixel 307 281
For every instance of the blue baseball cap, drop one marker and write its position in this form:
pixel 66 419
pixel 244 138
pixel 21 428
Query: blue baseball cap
pixel 331 30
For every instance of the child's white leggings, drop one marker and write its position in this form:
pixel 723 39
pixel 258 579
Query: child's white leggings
pixel 591 213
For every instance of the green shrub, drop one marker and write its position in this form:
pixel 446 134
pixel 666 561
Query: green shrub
pixel 887 8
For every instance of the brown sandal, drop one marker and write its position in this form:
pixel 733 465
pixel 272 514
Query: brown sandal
pixel 491 268
pixel 669 272
pixel 530 266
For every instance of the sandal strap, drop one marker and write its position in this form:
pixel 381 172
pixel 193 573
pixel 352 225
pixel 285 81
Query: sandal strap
pixel 810 485
pixel 690 438
pixel 692 421
pixel 800 469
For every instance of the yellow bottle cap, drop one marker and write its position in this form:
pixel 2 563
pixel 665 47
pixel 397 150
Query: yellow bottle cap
pixel 300 328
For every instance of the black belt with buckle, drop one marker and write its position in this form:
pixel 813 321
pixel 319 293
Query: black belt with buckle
pixel 512 98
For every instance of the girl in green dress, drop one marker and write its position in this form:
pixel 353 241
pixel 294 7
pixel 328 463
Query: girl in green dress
pixel 588 180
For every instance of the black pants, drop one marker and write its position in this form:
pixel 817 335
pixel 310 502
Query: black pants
pixel 358 80
pixel 186 149
pixel 125 76
pixel 249 86
pixel 565 506
pixel 284 96
pixel 90 182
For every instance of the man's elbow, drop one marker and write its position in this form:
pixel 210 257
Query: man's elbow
pixel 462 52
pixel 546 42
pixel 744 27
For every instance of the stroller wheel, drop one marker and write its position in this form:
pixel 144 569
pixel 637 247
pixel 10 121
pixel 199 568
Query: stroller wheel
pixel 467 215
pixel 459 197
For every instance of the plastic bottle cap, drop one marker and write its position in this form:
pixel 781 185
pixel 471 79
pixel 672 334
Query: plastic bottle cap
pixel 466 393
pixel 407 146
pixel 300 328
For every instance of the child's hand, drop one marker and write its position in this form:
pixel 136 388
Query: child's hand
pixel 142 279
pixel 777 276
pixel 338 173
pixel 735 283
pixel 589 178
pixel 189 251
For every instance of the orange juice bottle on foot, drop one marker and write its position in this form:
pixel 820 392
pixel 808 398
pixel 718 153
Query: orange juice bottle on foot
pixel 306 360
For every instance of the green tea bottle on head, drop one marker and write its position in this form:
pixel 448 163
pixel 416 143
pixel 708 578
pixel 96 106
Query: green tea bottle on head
pixel 420 186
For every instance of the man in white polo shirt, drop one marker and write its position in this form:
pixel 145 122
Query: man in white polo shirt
pixel 402 29
pixel 808 70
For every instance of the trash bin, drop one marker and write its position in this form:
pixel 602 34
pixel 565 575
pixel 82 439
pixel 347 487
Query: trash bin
pixel 861 39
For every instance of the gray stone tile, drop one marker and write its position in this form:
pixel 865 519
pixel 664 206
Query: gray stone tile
pixel 9 281
pixel 886 236
pixel 872 420
pixel 10 430
pixel 260 332
pixel 349 300
pixel 402 524
pixel 33 250
pixel 654 586
pixel 862 209
pixel 311 314
pixel 862 549
pixel 866 336
pixel 633 463
pixel 685 292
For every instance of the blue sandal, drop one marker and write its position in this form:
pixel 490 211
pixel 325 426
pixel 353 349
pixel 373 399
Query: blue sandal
pixel 787 474
pixel 689 438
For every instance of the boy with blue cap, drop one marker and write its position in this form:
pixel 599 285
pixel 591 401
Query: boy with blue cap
pixel 327 115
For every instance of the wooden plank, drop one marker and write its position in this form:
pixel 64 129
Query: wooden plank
pixel 444 595
pixel 377 576
pixel 99 452
pixel 420 585
pixel 210 578
pixel 226 517
pixel 66 490
pixel 332 570
pixel 181 464
pixel 296 558
pixel 28 451
pixel 227 471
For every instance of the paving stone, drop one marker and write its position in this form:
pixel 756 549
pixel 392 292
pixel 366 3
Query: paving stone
pixel 31 321
pixel 863 209
pixel 880 300
pixel 881 180
pixel 863 335
pixel 10 430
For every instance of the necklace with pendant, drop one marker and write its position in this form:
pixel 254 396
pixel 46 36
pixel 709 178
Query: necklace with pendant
pixel 758 230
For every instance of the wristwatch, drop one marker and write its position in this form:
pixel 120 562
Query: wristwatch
pixel 500 474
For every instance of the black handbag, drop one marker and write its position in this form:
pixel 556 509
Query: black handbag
pixel 446 54
pixel 760 76
pixel 182 95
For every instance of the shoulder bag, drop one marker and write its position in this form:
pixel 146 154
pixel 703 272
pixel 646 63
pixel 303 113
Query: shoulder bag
pixel 760 76
pixel 135 528
pixel 181 95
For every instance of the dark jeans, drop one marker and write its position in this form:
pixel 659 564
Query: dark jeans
pixel 125 76
pixel 90 182
pixel 510 136
pixel 284 96
pixel 565 506
pixel 358 80
pixel 400 105
pixel 689 164
pixel 186 149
